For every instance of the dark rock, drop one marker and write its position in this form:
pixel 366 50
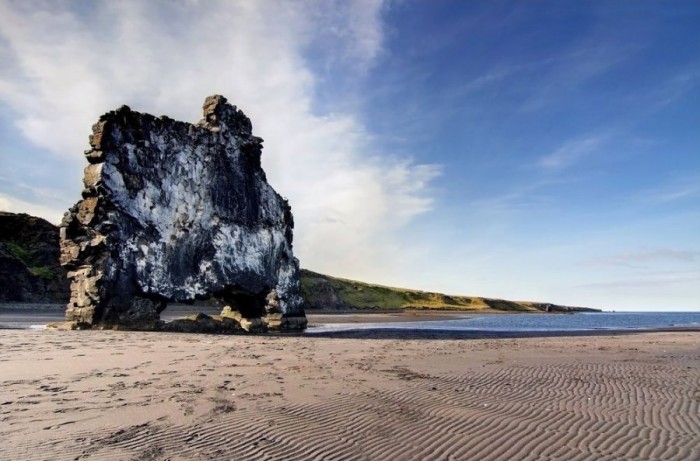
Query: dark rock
pixel 177 212
pixel 29 268
pixel 202 323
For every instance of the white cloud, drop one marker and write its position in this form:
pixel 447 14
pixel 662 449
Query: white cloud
pixel 63 67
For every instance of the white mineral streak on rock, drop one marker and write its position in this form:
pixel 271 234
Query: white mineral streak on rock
pixel 184 212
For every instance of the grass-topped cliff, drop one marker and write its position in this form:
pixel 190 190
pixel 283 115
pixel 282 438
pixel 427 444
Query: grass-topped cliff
pixel 322 292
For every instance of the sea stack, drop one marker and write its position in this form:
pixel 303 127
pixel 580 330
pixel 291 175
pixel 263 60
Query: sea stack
pixel 177 212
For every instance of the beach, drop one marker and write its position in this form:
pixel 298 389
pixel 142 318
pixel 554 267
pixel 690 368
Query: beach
pixel 113 395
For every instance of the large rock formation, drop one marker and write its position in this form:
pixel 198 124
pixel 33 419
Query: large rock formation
pixel 29 269
pixel 174 212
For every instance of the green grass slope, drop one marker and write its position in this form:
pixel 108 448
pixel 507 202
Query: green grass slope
pixel 322 292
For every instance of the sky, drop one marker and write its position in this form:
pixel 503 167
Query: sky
pixel 527 150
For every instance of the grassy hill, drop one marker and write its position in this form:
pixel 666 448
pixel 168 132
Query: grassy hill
pixel 322 292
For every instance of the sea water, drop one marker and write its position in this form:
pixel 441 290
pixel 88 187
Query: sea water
pixel 535 322
pixel 36 316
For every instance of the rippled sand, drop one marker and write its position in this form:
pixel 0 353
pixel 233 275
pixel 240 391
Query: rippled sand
pixel 105 395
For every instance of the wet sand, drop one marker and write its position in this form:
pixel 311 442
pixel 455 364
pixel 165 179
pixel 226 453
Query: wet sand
pixel 108 395
pixel 388 316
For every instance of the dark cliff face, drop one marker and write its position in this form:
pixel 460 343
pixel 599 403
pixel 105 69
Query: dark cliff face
pixel 29 268
pixel 176 212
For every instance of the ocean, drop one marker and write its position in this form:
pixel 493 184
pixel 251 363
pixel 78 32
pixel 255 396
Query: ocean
pixel 522 323
pixel 35 316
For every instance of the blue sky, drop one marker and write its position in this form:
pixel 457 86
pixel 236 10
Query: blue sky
pixel 525 150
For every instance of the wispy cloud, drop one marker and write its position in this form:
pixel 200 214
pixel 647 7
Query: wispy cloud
pixel 567 73
pixel 493 77
pixel 571 152
pixel 675 191
pixel 66 63
pixel 644 257
pixel 517 198
pixel 674 88
pixel 650 281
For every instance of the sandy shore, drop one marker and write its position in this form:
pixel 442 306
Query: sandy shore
pixel 105 395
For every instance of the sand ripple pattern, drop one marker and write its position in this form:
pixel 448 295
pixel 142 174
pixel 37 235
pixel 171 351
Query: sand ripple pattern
pixel 516 413
pixel 646 407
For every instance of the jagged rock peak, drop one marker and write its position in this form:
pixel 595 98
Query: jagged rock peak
pixel 173 211
pixel 218 114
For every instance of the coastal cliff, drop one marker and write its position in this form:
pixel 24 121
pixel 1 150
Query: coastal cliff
pixel 29 268
pixel 325 293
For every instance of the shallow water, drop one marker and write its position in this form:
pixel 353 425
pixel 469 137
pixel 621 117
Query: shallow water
pixel 34 316
pixel 536 322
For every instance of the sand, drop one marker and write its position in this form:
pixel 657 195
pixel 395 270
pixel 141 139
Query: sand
pixel 107 395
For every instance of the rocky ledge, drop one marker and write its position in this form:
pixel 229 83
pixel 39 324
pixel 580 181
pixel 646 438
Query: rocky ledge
pixel 177 212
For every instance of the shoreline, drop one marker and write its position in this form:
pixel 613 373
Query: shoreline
pixel 441 334
pixel 364 325
pixel 369 327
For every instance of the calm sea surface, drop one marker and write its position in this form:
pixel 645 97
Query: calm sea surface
pixel 536 322
pixel 36 315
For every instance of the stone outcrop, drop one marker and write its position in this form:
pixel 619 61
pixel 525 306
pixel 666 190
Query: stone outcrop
pixel 29 269
pixel 176 212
